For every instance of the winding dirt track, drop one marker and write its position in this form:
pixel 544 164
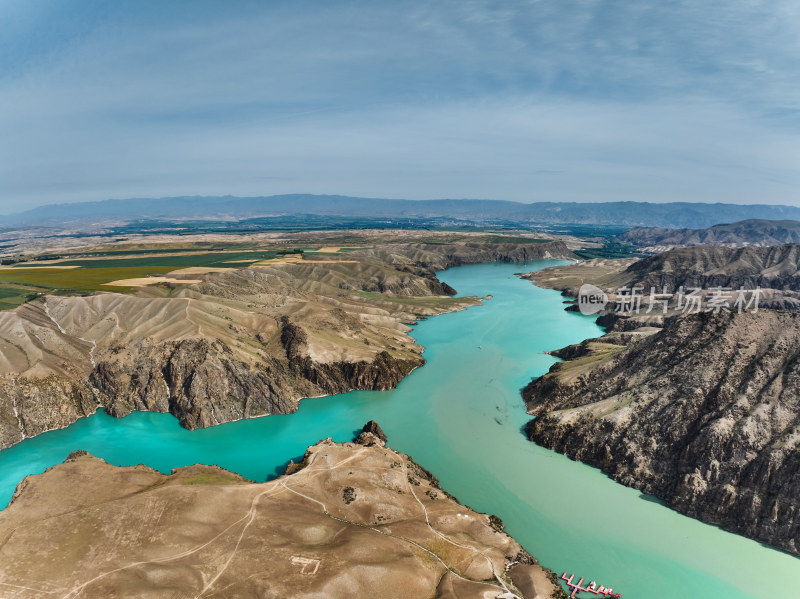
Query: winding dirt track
pixel 230 559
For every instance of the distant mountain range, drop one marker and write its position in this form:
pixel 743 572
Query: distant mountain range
pixel 230 208
pixel 757 232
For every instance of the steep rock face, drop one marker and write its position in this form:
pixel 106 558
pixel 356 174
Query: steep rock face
pixel 704 414
pixel 29 407
pixel 199 382
pixel 203 384
pixel 776 267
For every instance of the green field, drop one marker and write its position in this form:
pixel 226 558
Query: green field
pixel 210 259
pixel 94 269
pixel 99 266
pixel 12 296
pixel 72 280
pixel 609 250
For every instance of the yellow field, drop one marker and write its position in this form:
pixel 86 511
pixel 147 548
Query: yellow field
pixel 143 281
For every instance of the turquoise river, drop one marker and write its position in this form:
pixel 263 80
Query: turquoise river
pixel 461 416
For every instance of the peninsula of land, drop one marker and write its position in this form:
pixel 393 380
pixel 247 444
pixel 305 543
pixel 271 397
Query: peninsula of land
pixel 350 520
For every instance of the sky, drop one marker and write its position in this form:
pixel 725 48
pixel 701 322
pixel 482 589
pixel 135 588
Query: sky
pixel 543 100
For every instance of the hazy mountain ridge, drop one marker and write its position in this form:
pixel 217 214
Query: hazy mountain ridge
pixel 676 214
pixel 753 232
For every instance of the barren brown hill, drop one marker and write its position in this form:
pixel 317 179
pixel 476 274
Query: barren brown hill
pixel 773 267
pixel 240 344
pixel 776 270
pixel 351 521
pixel 776 267
pixel 752 232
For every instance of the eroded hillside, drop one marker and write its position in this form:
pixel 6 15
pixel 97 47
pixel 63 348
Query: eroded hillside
pixel 751 232
pixel 704 414
pixel 239 343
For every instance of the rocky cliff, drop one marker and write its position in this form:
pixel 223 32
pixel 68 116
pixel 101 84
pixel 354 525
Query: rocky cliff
pixel 776 267
pixel 704 414
pixel 203 384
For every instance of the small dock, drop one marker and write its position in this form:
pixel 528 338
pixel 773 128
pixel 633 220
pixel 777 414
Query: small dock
pixel 592 587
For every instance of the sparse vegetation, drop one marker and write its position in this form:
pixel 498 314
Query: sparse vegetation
pixel 610 249
pixel 211 478
pixel 348 495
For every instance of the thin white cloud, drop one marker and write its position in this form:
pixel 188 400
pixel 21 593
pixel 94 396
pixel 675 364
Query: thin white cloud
pixel 548 100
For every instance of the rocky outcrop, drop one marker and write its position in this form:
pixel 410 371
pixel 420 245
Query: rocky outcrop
pixel 371 434
pixel 374 428
pixel 704 414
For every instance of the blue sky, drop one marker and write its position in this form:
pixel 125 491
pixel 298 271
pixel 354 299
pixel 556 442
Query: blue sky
pixel 548 100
